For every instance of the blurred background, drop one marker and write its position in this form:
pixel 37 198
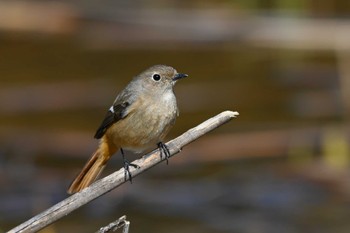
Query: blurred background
pixel 281 166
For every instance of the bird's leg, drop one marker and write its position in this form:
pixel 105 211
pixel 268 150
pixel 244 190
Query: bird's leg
pixel 164 150
pixel 127 164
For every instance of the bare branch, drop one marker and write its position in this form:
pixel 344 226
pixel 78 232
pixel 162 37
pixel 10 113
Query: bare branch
pixel 113 226
pixel 116 179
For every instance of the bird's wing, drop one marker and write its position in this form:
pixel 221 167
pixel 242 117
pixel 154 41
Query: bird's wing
pixel 115 113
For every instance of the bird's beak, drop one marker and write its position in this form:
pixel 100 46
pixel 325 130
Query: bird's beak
pixel 179 76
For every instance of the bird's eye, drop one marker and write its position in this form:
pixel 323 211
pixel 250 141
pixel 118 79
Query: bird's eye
pixel 156 77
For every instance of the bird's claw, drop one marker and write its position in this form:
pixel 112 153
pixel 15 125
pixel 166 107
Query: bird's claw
pixel 164 150
pixel 127 174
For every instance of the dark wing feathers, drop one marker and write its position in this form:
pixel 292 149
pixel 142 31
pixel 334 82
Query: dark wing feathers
pixel 111 118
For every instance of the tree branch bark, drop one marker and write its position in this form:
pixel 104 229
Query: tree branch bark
pixel 116 179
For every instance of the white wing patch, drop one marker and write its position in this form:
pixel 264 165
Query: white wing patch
pixel 111 109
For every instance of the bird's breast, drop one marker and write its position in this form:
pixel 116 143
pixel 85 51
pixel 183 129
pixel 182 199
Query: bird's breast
pixel 147 123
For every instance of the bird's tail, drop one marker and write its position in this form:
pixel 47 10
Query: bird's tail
pixel 92 169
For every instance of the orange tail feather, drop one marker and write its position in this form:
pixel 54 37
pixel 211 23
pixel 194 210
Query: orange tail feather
pixel 91 170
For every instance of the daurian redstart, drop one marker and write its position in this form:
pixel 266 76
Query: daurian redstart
pixel 139 119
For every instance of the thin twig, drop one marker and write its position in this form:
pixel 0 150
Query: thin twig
pixel 116 179
pixel 113 226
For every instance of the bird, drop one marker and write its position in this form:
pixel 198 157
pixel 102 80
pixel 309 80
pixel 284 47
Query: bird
pixel 140 117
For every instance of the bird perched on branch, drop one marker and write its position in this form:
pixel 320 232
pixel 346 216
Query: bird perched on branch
pixel 139 119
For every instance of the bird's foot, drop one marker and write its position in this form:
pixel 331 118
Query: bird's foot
pixel 127 164
pixel 127 173
pixel 164 150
